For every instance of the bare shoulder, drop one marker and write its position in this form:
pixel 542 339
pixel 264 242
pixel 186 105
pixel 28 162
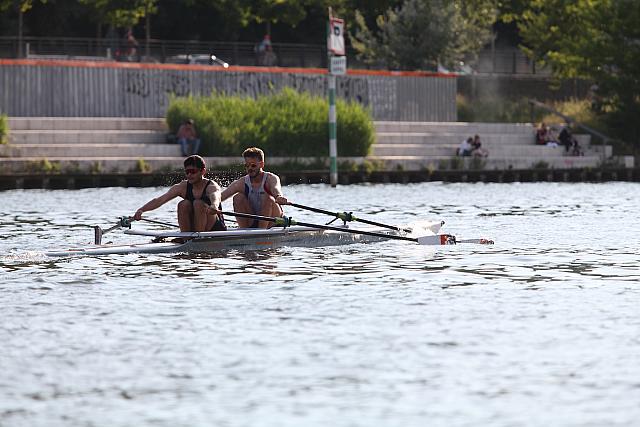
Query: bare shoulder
pixel 233 188
pixel 272 178
pixel 213 186
pixel 237 184
pixel 178 189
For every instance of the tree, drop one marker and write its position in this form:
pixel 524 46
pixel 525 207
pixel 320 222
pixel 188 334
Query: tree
pixel 420 34
pixel 269 12
pixel 594 40
pixel 120 13
pixel 21 6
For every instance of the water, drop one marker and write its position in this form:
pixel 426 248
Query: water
pixel 541 329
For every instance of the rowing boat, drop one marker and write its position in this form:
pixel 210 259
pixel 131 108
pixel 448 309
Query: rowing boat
pixel 285 232
pixel 247 239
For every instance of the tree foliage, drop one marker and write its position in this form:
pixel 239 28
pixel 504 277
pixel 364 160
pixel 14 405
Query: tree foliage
pixel 594 40
pixel 420 34
pixel 120 13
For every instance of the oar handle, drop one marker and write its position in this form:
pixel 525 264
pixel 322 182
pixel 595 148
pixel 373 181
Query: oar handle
pixel 378 224
pixel 278 221
pixel 309 208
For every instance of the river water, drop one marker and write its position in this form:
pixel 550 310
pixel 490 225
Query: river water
pixel 541 329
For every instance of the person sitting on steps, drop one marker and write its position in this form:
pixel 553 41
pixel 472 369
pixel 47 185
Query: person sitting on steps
pixel 188 138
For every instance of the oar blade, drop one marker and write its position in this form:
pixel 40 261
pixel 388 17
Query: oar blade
pixel 437 240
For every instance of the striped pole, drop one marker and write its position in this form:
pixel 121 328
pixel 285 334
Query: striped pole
pixel 333 140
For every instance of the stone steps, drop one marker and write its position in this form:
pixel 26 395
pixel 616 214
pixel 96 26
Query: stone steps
pixel 87 123
pixel 458 128
pixel 449 138
pixel 121 143
pixel 114 164
pixel 495 151
pixel 448 162
pixel 86 137
pixel 77 150
pixel 173 164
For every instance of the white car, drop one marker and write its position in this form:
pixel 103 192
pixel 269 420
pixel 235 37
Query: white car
pixel 202 59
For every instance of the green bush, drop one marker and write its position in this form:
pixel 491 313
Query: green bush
pixel 287 124
pixel 4 129
pixel 495 110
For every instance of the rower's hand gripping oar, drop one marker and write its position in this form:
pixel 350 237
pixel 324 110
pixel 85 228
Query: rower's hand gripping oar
pixel 441 239
pixel 348 216
pixel 123 221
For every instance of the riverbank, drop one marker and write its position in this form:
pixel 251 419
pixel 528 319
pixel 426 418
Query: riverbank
pixel 77 181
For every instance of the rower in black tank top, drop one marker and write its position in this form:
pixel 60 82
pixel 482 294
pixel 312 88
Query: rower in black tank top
pixel 219 225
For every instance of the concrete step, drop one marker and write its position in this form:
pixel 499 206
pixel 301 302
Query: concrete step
pixel 458 128
pixel 230 164
pixel 87 123
pixel 116 164
pixel 495 150
pixel 94 150
pixel 489 163
pixel 86 137
pixel 450 138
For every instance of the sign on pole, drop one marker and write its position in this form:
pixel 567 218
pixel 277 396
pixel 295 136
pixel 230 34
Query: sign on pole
pixel 338 65
pixel 335 41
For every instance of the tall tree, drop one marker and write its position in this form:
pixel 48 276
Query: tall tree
pixel 420 34
pixel 594 40
pixel 21 7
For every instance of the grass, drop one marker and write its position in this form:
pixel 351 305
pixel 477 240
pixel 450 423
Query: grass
pixel 4 129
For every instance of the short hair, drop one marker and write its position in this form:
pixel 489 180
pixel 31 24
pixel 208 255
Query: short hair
pixel 196 161
pixel 189 121
pixel 254 152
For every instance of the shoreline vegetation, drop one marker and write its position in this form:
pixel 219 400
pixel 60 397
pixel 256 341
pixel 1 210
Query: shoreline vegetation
pixel 283 124
pixel 4 129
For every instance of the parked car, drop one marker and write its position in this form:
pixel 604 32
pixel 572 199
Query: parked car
pixel 202 59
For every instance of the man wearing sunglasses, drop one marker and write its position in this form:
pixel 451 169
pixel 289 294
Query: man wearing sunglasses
pixel 199 209
pixel 257 193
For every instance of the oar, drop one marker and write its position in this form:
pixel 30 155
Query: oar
pixel 441 239
pixel 348 216
pixel 157 222
pixel 98 232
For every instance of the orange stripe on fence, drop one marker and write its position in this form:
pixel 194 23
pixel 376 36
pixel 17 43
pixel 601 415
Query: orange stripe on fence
pixel 196 67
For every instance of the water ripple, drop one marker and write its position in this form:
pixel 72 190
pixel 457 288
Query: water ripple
pixel 540 329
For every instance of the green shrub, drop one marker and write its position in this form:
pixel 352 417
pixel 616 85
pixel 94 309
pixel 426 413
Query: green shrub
pixel 287 124
pixel 43 166
pixel 540 165
pixel 4 129
pixel 143 167
pixel 495 110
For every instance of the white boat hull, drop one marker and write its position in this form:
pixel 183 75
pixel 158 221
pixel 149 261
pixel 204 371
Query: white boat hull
pixel 246 239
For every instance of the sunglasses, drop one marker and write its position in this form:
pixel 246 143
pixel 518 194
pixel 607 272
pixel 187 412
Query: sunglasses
pixel 191 171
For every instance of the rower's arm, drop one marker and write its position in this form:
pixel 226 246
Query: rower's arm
pixel 236 186
pixel 214 193
pixel 273 183
pixel 152 204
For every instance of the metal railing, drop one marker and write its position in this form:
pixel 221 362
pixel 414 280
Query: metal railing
pixel 235 53
pixel 509 61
